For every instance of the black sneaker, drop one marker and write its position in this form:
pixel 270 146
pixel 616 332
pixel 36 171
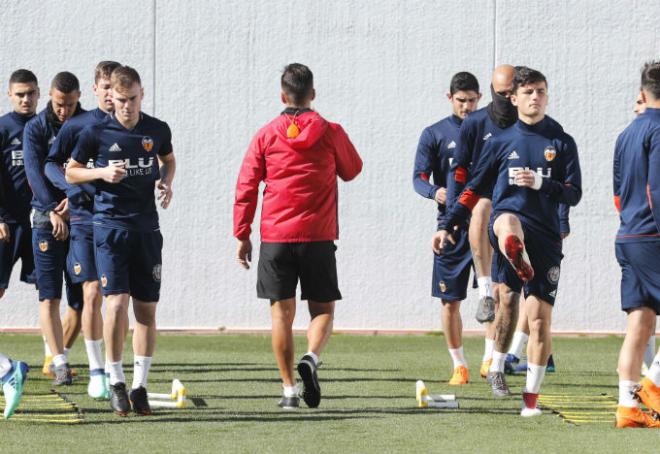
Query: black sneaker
pixel 485 310
pixel 311 390
pixel 63 375
pixel 498 384
pixel 289 403
pixel 140 401
pixel 119 399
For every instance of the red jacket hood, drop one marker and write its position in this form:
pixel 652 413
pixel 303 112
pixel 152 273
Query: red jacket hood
pixel 312 127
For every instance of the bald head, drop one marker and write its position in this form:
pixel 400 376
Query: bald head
pixel 502 80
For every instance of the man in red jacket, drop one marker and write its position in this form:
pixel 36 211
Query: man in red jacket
pixel 299 156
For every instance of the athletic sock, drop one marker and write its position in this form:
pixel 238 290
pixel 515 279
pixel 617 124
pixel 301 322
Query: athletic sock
pixel 649 353
pixel 94 354
pixel 535 375
pixel 141 366
pixel 485 286
pixel 47 351
pixel 66 353
pixel 654 371
pixel 314 357
pixel 291 391
pixel 489 346
pixel 116 372
pixel 5 365
pixel 458 357
pixel 59 360
pixel 498 362
pixel 627 394
pixel 519 340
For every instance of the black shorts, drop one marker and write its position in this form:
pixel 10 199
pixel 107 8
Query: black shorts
pixel 451 269
pixel 282 264
pixel 18 247
pixel 129 262
pixel 640 275
pixel 545 255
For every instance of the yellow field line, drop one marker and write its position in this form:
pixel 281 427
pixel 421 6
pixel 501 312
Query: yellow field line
pixel 590 421
pixel 47 415
pixel 59 421
pixel 598 401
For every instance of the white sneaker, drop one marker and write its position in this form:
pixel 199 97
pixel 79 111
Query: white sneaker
pixel 530 412
pixel 98 387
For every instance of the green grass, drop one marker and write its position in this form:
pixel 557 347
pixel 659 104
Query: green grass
pixel 368 402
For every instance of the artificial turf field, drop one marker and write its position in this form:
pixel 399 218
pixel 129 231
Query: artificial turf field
pixel 368 405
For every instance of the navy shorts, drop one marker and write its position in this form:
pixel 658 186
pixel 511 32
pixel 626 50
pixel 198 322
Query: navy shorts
pixel 451 269
pixel 640 274
pixel 50 259
pixel 545 255
pixel 281 265
pixel 18 247
pixel 81 262
pixel 129 262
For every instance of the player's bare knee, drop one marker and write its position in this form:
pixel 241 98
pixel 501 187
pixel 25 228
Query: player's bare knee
pixel 452 307
pixel 508 299
pixel 539 326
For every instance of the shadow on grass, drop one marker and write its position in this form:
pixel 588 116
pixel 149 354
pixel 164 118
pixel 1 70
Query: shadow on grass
pixel 221 415
pixel 274 396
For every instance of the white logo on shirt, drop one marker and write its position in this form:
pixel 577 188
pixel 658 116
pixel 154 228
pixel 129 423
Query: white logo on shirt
pixel 17 158
pixel 15 141
pixel 51 140
pixel 137 168
pixel 514 155
pixel 488 136
pixel 545 173
pixel 115 147
pixel 451 145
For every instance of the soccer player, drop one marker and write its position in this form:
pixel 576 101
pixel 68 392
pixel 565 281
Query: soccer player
pixel 15 193
pixel 299 156
pixel 49 225
pixel 451 270
pixel 637 198
pixel 535 167
pixel 478 128
pixel 649 353
pixel 81 264
pixel 127 147
pixel 13 375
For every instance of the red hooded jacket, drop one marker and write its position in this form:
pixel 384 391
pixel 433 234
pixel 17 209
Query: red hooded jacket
pixel 300 198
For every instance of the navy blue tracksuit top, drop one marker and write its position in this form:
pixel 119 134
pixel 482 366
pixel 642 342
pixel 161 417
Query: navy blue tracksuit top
pixel 433 158
pixel 637 179
pixel 543 147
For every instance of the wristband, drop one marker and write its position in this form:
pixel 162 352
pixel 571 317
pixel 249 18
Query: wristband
pixel 538 181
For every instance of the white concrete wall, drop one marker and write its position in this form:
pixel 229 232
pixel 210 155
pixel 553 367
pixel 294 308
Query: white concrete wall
pixel 211 69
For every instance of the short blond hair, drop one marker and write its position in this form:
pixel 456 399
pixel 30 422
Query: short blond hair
pixel 123 78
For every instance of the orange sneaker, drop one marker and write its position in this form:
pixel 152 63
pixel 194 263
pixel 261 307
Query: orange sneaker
pixel 649 394
pixel 517 255
pixel 460 376
pixel 45 370
pixel 485 367
pixel 627 418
